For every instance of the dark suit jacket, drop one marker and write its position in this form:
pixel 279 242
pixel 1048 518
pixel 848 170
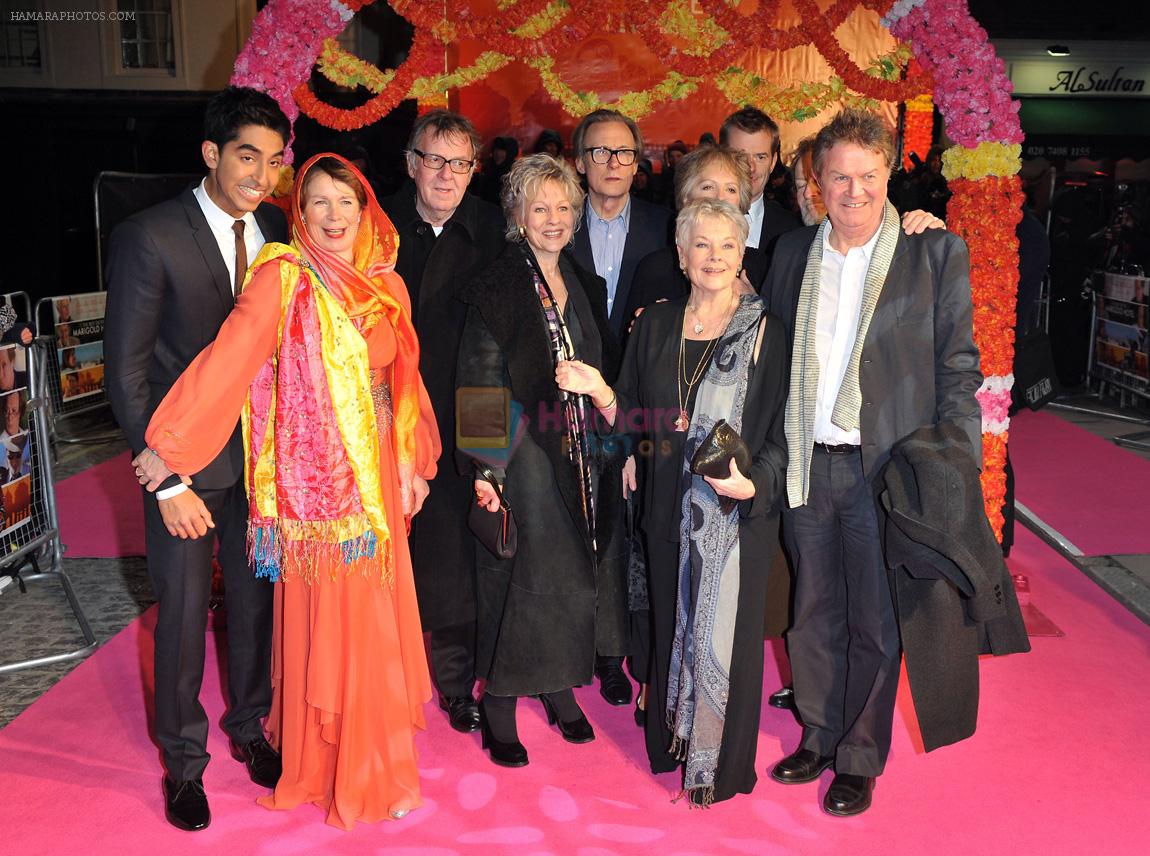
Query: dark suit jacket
pixel 168 293
pixel 777 221
pixel 919 361
pixel 647 232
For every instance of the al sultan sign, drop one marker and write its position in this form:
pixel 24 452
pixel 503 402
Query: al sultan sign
pixel 1057 78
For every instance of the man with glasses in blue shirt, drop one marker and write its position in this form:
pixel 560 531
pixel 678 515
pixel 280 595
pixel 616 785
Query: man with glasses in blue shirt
pixel 617 231
pixel 446 236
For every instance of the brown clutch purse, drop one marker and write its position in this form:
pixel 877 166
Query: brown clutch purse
pixel 713 457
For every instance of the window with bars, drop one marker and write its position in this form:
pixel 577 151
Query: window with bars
pixel 146 39
pixel 19 39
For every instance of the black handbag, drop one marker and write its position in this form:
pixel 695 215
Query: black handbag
pixel 495 529
pixel 1035 380
pixel 713 457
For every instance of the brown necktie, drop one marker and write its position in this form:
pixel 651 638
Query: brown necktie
pixel 241 256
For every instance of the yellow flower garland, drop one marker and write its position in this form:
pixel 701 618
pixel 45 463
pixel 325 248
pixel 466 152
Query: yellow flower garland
pixel 997 159
pixel 634 104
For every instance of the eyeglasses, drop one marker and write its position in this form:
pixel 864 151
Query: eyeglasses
pixel 436 162
pixel 602 154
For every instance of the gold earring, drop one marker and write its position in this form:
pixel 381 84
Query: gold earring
pixel 522 232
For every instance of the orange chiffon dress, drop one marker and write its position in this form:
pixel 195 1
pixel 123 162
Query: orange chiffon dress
pixel 350 673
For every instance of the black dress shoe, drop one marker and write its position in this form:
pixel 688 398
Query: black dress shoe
pixel 186 804
pixel 784 698
pixel 613 684
pixel 503 754
pixel 263 762
pixel 576 731
pixel 848 794
pixel 462 712
pixel 801 767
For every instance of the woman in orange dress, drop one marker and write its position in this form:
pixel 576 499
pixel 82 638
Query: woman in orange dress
pixel 320 359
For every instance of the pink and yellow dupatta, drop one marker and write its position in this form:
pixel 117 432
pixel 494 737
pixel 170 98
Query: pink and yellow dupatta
pixel 310 426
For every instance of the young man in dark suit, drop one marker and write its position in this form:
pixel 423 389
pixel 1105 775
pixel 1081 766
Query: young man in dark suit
pixel 446 237
pixel 174 271
pixel 882 331
pixel 617 231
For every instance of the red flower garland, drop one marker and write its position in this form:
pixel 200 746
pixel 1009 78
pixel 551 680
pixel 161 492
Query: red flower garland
pixel 984 213
pixel 423 59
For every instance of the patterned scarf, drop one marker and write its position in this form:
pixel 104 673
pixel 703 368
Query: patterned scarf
pixel 575 406
pixel 311 431
pixel 800 413
pixel 699 680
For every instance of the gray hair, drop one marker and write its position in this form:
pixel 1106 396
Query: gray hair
pixel 443 123
pixel 524 180
pixel 700 209
pixel 864 129
pixel 688 174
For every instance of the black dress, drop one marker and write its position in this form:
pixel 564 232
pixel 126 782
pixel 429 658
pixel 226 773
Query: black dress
pixel 648 401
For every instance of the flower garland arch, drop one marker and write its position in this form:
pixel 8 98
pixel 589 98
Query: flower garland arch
pixel 955 68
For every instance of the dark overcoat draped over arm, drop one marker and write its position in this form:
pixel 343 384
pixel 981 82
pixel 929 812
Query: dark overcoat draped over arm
pixel 543 613
pixel 434 268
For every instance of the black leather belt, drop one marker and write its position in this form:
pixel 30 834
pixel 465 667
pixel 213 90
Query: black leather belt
pixel 839 449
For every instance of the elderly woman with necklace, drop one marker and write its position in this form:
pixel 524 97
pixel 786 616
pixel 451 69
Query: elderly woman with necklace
pixel 691 361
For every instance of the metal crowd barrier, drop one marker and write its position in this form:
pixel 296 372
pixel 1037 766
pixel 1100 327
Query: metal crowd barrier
pixel 62 410
pixel 35 541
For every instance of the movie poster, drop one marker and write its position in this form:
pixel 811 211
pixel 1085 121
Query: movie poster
pixel 15 460
pixel 79 320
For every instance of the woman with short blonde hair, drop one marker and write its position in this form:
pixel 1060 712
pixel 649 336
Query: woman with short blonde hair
pixel 543 612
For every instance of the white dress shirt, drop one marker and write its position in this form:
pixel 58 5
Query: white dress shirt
pixel 836 328
pixel 221 222
pixel 755 222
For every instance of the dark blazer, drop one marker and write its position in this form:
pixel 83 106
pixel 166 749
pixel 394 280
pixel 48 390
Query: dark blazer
pixel 168 293
pixel 777 221
pixel 919 362
pixel 953 593
pixel 647 232
pixel 434 269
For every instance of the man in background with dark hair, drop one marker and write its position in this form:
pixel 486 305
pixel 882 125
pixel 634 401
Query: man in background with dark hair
pixel 446 236
pixel 174 272
pixel 755 134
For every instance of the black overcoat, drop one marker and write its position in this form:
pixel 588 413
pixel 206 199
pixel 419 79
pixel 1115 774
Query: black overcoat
pixel 434 268
pixel 544 613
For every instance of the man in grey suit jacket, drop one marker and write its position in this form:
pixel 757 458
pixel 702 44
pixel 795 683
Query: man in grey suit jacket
pixel 882 344
pixel 174 271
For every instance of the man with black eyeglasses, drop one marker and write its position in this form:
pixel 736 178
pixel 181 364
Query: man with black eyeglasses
pixel 446 236
pixel 617 230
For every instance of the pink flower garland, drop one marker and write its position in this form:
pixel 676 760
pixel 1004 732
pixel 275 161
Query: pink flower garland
pixel 286 38
pixel 971 86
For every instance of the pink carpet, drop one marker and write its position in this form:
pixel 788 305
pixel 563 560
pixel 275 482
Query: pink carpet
pixel 1095 493
pixel 101 511
pixel 1058 766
